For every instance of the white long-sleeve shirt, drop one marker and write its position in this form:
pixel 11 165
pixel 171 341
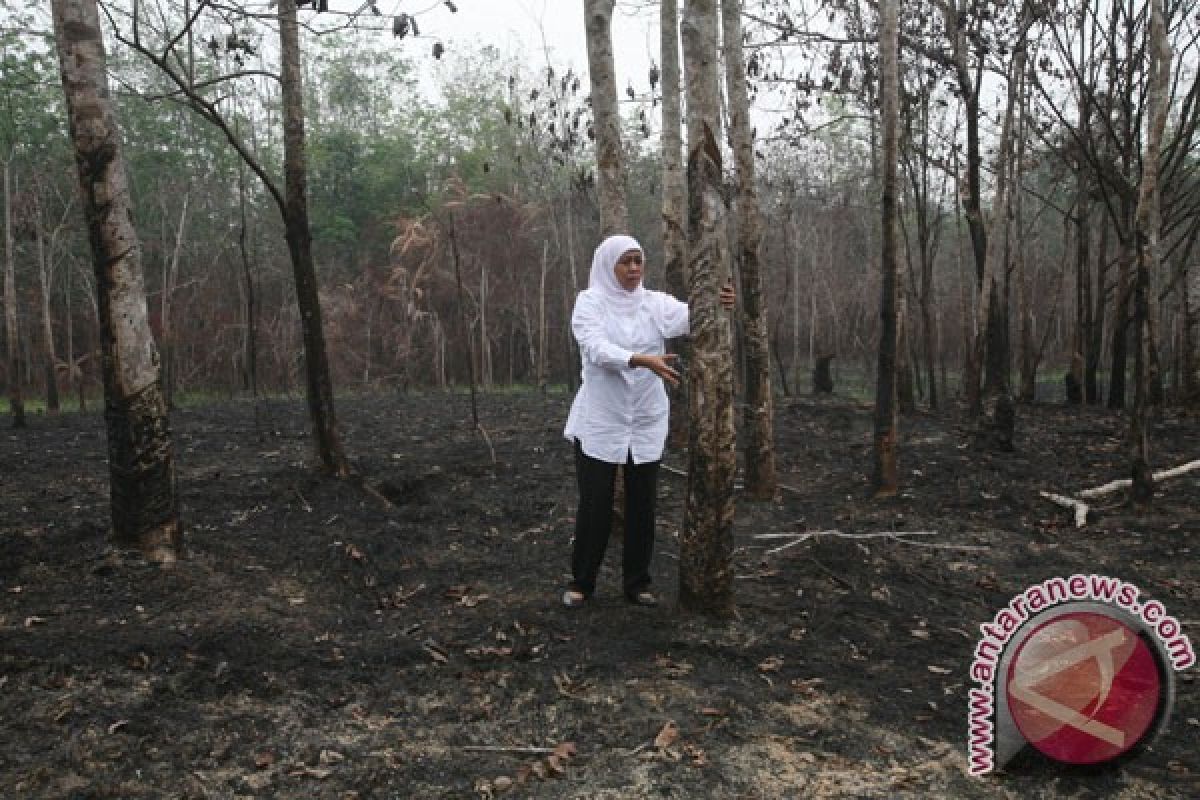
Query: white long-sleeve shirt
pixel 621 410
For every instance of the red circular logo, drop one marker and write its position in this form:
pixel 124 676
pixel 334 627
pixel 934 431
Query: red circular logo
pixel 1083 688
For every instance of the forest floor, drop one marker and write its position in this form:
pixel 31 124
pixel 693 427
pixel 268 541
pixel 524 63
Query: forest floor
pixel 315 644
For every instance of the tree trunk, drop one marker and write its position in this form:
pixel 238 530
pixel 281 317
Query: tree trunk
pixel 758 422
pixel 610 166
pixel 706 545
pixel 674 199
pixel 170 274
pixel 1191 336
pixel 48 359
pixel 299 238
pixel 16 401
pixel 1146 229
pixel 884 480
pixel 145 510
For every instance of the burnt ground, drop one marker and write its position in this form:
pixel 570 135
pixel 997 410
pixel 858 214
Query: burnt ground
pixel 314 644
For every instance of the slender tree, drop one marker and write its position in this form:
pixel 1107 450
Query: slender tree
pixel 145 509
pixel 291 199
pixel 614 211
pixel 706 545
pixel 758 421
pixel 16 400
pixel 884 477
pixel 1146 228
pixel 674 194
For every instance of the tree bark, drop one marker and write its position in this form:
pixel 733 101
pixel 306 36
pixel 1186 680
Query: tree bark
pixel 610 163
pixel 145 509
pixel 48 358
pixel 1191 336
pixel 884 480
pixel 1146 227
pixel 299 238
pixel 758 421
pixel 674 199
pixel 706 545
pixel 16 400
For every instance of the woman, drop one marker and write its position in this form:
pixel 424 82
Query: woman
pixel 620 413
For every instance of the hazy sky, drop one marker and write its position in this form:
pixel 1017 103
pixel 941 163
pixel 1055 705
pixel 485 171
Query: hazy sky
pixel 528 28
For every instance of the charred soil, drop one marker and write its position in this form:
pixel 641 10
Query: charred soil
pixel 315 643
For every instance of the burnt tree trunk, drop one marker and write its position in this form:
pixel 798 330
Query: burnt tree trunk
pixel 706 544
pixel 299 239
pixel 884 481
pixel 16 400
pixel 758 419
pixel 145 509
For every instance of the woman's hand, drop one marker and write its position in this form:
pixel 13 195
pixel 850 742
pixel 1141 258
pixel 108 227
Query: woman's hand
pixel 727 297
pixel 660 365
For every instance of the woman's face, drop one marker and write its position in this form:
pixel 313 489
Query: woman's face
pixel 629 270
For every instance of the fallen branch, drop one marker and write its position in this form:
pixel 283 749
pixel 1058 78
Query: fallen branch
pixel 525 751
pixel 1113 486
pixel 683 474
pixel 895 536
pixel 1080 508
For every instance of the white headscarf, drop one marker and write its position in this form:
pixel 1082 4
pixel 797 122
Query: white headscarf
pixel 604 280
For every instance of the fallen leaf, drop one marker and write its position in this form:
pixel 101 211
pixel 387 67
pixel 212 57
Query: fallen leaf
pixel 697 756
pixel 353 551
pixel 118 725
pixel 264 759
pixel 709 711
pixel 771 664
pixel 667 736
pixel 565 750
pixel 539 769
pixel 502 783
pixel 331 757
pixel 554 765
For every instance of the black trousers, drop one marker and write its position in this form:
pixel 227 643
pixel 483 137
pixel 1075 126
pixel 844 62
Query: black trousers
pixel 594 521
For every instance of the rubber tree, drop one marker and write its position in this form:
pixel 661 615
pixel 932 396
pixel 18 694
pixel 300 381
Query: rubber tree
pixel 144 502
pixel 610 164
pixel 1146 230
pixel 291 198
pixel 674 192
pixel 884 481
pixel 758 419
pixel 706 544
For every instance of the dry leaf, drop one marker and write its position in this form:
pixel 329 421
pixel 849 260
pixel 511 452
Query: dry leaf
pixel 118 725
pixel 502 783
pixel 539 769
pixel 331 757
pixel 554 764
pixel 523 773
pixel 667 736
pixel 709 711
pixel 353 551
pixel 697 756
pixel 264 759
pixel 771 664
pixel 565 750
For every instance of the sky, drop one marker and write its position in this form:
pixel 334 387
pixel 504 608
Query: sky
pixel 531 28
